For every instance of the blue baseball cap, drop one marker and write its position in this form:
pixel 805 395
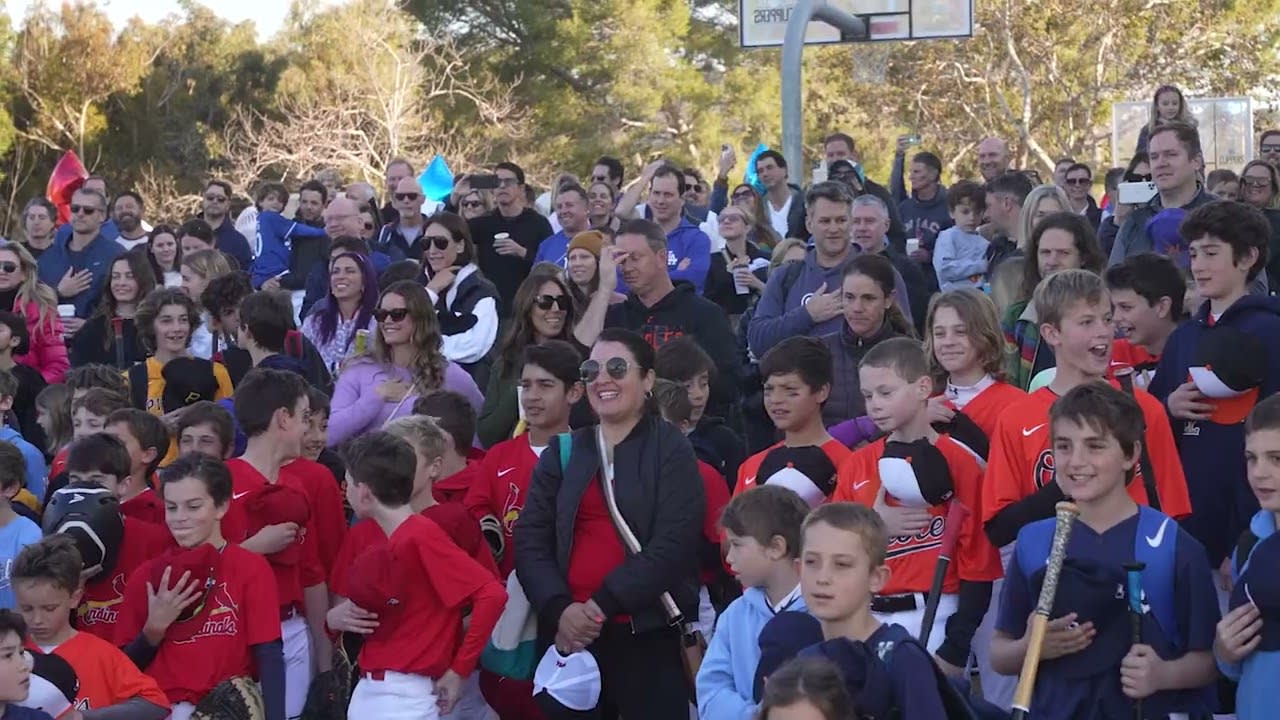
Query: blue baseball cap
pixel 781 639
pixel 1260 584
pixel 1096 594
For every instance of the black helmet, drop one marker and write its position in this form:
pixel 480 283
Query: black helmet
pixel 89 514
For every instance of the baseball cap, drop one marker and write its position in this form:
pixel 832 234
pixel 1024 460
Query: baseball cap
pixel 1093 592
pixel 566 682
pixel 865 675
pixel 273 504
pixel 187 381
pixel 968 435
pixel 90 515
pixel 201 561
pixel 1259 584
pixel 1229 367
pixel 781 639
pixel 806 469
pixel 374 583
pixel 915 473
pixel 54 684
pixel 1166 239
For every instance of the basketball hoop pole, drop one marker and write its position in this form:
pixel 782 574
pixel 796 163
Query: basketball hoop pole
pixel 792 64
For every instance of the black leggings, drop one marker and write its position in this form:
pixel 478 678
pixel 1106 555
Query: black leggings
pixel 642 676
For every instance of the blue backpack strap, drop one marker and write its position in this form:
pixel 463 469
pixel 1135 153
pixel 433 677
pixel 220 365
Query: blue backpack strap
pixel 1155 545
pixel 1032 549
pixel 566 446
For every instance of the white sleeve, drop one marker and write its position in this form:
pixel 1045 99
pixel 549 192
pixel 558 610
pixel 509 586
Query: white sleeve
pixel 474 344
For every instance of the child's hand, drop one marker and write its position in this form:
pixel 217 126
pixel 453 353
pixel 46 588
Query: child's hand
pixel 1064 636
pixel 1188 403
pixel 346 616
pixel 1140 672
pixel 901 521
pixel 940 411
pixel 1239 633
pixel 166 603
pixel 448 690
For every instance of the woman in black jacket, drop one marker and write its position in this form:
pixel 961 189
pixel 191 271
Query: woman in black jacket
pixel 588 590
pixel 128 281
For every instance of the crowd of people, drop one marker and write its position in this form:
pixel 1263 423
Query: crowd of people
pixel 663 448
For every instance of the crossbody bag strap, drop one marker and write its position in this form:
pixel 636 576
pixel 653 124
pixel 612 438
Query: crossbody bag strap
pixel 624 530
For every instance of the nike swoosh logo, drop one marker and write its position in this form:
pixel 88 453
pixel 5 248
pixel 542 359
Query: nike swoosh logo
pixel 504 472
pixel 858 485
pixel 749 481
pixel 1159 537
pixel 1028 432
pixel 237 496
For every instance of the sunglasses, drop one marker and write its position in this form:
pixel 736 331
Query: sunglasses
pixel 1134 177
pixel 83 209
pixel 743 194
pixel 726 217
pixel 472 204
pixel 1256 182
pixel 545 302
pixel 616 368
pixel 407 196
pixel 440 243
pixel 9 267
pixel 605 178
pixel 395 315
pixel 1270 148
pixel 1078 181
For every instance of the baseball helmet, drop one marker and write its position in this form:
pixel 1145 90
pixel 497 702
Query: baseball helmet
pixel 90 515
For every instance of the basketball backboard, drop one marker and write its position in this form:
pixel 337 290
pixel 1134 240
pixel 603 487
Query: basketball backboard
pixel 763 23
pixel 1225 123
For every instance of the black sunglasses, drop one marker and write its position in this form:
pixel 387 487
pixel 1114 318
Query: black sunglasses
pixel 743 194
pixel 616 368
pixel 77 209
pixel 10 267
pixel 407 196
pixel 472 204
pixel 1135 177
pixel 395 315
pixel 440 243
pixel 544 302
pixel 1268 148
pixel 1078 181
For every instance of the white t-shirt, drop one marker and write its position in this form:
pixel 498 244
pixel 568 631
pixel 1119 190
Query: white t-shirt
pixel 778 218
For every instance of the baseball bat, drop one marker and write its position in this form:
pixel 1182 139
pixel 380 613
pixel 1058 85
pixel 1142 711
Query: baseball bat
pixel 117 328
pixel 1133 574
pixel 1125 377
pixel 956 514
pixel 1065 515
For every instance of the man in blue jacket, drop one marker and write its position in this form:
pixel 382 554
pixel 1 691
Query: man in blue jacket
pixel 217 206
pixel 688 248
pixel 78 266
pixel 109 229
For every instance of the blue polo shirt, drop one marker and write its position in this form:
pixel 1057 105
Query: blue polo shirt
pixel 1099 696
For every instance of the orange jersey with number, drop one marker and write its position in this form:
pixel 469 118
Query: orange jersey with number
pixel 912 558
pixel 1021 459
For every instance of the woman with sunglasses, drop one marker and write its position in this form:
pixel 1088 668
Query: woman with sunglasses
pixel 475 203
pixel 1260 185
pixel 542 310
pixel 593 593
pixel 129 280
pixel 200 615
pixel 601 202
pixel 22 292
pixel 403 361
pixel 165 255
pixel 348 308
pixel 466 302
pixel 737 274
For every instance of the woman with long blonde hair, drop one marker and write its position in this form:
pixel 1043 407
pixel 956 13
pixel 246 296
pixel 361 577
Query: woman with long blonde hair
pixel 1040 204
pixel 22 292
pixel 402 361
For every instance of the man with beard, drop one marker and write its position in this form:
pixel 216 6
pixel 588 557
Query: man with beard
pixel 217 206
pixel 127 212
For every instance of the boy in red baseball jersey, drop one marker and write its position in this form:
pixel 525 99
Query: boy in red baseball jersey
pixel 206 612
pixel 328 516
pixel 46 579
pixel 102 460
pixel 1075 320
pixel 272 407
pixel 455 415
pixel 147 440
pixel 916 467
pixel 797 376
pixel 407 595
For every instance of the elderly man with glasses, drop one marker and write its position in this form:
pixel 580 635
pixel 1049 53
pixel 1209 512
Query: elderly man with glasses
pixel 78 266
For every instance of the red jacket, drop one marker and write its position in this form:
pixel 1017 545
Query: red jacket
pixel 47 352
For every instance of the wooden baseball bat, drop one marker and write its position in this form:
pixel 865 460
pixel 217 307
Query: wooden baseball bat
pixel 1066 514
pixel 1133 590
pixel 1124 376
pixel 956 514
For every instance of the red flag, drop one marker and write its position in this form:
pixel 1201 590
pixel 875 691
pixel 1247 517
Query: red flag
pixel 67 177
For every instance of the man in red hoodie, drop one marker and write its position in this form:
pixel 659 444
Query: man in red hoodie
pixel 454 414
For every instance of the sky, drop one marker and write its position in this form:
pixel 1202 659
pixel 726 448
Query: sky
pixel 268 15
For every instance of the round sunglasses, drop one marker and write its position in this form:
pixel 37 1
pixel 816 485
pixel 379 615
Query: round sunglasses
pixel 616 368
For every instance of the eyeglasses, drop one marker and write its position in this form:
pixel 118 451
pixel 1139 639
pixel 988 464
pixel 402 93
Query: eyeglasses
pixel 615 367
pixel 410 197
pixel 215 198
pixel 83 209
pixel 440 243
pixel 1134 177
pixel 743 194
pixel 545 302
pixel 1078 181
pixel 472 204
pixel 395 315
pixel 1256 182
pixel 725 217
pixel 1269 148
pixel 9 267
pixel 604 178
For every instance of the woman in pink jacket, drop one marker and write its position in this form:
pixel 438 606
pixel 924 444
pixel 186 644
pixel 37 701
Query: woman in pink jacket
pixel 21 290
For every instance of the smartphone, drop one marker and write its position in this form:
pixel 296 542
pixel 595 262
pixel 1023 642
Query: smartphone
pixel 913 139
pixel 66 311
pixel 484 182
pixel 1136 193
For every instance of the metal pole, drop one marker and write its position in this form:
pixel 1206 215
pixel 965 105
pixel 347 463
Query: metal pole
pixel 792 64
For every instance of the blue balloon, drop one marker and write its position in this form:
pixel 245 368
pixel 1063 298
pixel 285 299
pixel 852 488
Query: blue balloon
pixel 750 176
pixel 436 179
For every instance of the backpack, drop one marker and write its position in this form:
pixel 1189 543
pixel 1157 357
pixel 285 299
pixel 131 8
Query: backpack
pixel 1160 558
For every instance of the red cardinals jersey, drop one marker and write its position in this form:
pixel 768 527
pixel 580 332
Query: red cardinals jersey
pixel 240 611
pixel 986 407
pixel 1021 459
pixel 328 524
pixel 99 608
pixel 145 506
pixel 500 490
pixel 751 466
pixel 440 581
pixel 912 559
pixel 105 674
pixel 454 488
pixel 290 579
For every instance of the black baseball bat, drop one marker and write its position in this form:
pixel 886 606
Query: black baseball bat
pixel 1125 377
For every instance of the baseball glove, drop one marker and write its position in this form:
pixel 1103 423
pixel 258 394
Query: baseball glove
pixel 330 691
pixel 236 699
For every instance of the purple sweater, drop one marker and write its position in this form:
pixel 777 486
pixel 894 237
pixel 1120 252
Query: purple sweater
pixel 357 408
